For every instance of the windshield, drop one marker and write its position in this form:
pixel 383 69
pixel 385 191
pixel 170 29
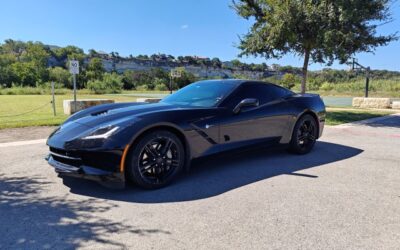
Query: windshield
pixel 201 94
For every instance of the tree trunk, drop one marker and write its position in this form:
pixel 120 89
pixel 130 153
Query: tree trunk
pixel 305 70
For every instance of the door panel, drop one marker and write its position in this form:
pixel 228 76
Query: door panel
pixel 264 122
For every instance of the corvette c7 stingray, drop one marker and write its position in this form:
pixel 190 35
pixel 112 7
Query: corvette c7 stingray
pixel 151 143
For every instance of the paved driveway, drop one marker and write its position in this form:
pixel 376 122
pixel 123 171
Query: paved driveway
pixel 345 194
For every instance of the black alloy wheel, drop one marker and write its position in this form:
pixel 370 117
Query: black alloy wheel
pixel 156 159
pixel 304 136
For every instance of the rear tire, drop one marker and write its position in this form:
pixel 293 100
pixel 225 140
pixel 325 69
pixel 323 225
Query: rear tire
pixel 304 135
pixel 156 159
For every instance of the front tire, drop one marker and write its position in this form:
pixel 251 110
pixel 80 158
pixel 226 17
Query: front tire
pixel 156 159
pixel 304 135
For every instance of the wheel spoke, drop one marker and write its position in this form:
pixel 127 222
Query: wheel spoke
pixel 173 162
pixel 166 147
pixel 144 169
pixel 302 137
pixel 310 129
pixel 150 150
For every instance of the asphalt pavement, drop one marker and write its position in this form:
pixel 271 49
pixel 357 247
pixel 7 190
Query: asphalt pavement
pixel 345 194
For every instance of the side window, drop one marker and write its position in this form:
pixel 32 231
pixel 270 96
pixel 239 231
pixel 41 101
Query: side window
pixel 263 92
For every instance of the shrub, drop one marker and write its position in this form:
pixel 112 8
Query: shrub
pixel 326 86
pixel 60 76
pixel 288 80
pixel 161 87
pixel 142 88
pixel 32 91
pixel 160 84
pixel 111 84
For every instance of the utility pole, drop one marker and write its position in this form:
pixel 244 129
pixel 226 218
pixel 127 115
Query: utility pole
pixel 357 66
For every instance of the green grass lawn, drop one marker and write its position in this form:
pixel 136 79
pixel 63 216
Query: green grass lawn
pixel 15 110
pixel 340 116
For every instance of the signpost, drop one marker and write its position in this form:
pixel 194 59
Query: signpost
pixel 174 74
pixel 74 70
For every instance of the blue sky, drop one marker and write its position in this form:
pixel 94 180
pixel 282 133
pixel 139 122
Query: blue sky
pixel 177 27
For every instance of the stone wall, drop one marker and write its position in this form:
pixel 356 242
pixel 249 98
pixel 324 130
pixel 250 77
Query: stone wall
pixel 69 105
pixel 380 103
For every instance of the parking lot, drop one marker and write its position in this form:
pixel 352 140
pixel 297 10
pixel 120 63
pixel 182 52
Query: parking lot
pixel 343 195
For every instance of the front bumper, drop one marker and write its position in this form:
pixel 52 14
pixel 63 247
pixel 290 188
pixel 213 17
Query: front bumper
pixel 106 178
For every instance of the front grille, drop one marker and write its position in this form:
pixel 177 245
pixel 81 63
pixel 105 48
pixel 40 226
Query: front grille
pixel 67 157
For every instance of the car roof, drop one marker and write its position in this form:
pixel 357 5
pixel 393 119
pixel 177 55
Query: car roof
pixel 236 82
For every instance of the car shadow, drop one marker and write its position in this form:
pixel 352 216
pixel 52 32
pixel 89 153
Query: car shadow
pixel 215 175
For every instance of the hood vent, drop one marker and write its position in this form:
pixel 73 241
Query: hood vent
pixel 103 112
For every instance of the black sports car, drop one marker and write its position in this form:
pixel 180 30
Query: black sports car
pixel 149 144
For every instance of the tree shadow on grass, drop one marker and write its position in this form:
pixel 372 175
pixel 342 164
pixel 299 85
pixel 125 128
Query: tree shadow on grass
pixel 392 121
pixel 377 120
pixel 215 175
pixel 30 219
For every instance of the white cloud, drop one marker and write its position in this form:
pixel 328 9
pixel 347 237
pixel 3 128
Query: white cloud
pixel 184 26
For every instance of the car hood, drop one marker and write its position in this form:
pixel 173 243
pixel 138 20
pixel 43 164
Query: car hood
pixel 114 113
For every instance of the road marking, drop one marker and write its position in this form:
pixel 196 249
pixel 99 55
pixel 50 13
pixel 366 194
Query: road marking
pixel 22 143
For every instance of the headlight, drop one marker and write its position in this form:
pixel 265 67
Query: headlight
pixel 101 133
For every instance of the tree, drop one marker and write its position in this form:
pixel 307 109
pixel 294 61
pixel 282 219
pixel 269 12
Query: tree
pixel 320 30
pixel 236 63
pixel 288 80
pixel 185 79
pixel 129 80
pixel 93 53
pixel 216 63
pixel 170 58
pixel 25 74
pixel 68 52
pixel 95 69
pixel 180 59
pixel 61 76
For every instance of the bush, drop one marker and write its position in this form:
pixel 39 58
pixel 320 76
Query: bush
pixel 313 85
pixel 160 84
pixel 111 84
pixel 326 86
pixel 161 87
pixel 142 88
pixel 32 91
pixel 289 80
pixel 60 76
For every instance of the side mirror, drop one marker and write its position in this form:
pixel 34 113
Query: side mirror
pixel 248 102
